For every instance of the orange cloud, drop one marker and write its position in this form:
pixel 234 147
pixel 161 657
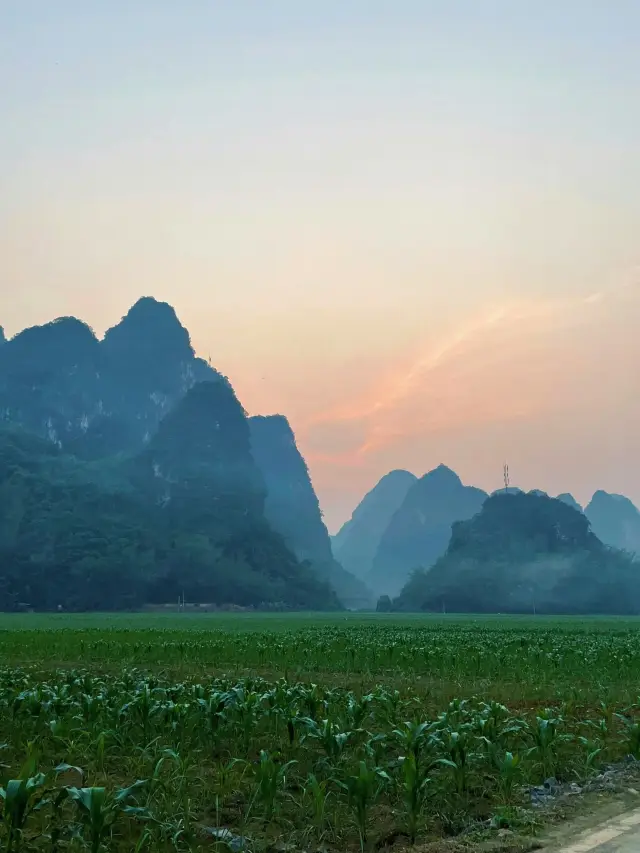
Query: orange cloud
pixel 398 385
pixel 498 367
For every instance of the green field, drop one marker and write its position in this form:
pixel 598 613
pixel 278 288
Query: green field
pixel 300 732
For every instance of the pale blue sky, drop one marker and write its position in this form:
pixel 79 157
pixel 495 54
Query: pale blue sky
pixel 333 193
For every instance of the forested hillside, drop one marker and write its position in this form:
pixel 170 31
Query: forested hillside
pixel 526 553
pixel 117 534
pixel 127 476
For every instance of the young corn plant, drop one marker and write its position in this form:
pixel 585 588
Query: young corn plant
pixel 271 778
pixel 457 747
pixel 96 813
pixel 358 710
pixel 415 788
pixel 246 705
pixel 142 708
pixel 508 769
pixel 632 735
pixel 592 750
pixel 412 738
pixel 363 786
pixel 213 709
pixel 20 798
pixel 547 739
pixel 316 792
pixel 329 735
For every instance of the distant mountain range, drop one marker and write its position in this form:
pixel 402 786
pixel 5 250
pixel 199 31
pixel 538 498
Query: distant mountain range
pixel 404 523
pixel 357 541
pixel 419 531
pixel 130 475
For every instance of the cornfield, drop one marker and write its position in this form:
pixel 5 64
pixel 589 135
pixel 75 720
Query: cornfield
pixel 344 735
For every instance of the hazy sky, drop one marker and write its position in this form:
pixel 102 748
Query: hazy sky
pixel 413 227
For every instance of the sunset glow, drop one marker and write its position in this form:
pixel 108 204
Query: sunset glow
pixel 410 227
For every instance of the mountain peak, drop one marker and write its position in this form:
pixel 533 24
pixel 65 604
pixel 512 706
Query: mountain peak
pixel 615 520
pixel 441 477
pixel 150 325
pixel 609 502
pixel 392 487
pixel 568 498
pixel 555 564
pixel 356 542
pixel 398 475
pixel 601 496
pixel 60 344
pixel 292 507
pixel 514 490
pixel 3 339
pixel 149 306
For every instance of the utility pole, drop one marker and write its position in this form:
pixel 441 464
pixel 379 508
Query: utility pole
pixel 505 476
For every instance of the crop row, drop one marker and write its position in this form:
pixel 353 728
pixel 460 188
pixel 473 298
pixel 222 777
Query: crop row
pixel 432 650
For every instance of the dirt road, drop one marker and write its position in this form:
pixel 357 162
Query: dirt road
pixel 618 835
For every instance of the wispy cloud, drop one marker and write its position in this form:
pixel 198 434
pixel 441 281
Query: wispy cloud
pixel 397 386
pixel 466 377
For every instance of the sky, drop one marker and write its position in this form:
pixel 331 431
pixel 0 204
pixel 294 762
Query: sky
pixel 411 226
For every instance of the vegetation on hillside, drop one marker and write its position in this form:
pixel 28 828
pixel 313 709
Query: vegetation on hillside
pixel 175 520
pixel 147 447
pixel 95 398
pixel 526 553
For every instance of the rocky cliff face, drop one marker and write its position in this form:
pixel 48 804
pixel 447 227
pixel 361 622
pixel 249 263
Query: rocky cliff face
pixel 615 520
pixel 292 506
pixel 357 541
pixel 420 530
